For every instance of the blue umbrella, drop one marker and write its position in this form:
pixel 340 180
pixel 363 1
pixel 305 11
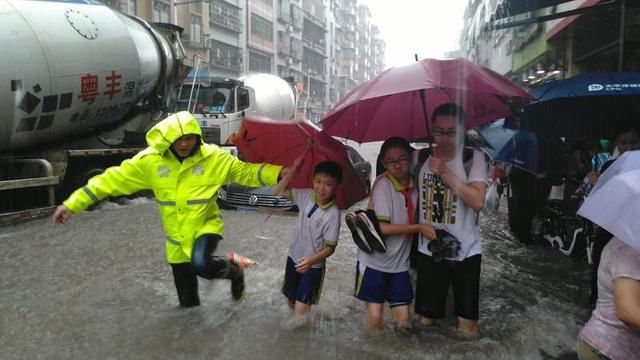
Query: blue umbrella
pixel 511 146
pixel 586 105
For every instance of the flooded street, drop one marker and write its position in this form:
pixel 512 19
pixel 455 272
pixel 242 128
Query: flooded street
pixel 99 288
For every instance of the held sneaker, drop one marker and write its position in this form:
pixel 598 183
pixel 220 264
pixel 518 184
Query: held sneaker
pixel 242 261
pixel 236 275
pixel 370 231
pixel 356 233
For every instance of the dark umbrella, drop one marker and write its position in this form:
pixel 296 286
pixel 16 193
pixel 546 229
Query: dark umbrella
pixel 399 101
pixel 586 105
pixel 511 146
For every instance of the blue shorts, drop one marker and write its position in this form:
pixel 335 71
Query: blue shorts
pixel 304 288
pixel 377 286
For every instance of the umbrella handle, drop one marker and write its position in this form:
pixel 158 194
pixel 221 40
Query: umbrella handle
pixel 426 116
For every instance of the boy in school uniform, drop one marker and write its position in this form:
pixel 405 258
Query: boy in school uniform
pixel 314 238
pixel 384 276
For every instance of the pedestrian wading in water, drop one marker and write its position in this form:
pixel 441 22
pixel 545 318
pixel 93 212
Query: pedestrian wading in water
pixel 185 175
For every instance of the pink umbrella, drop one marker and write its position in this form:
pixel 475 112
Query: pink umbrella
pixel 280 142
pixel 399 101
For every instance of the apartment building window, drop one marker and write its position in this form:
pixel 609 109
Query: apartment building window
pixel 259 63
pixel 261 27
pixel 133 7
pixel 196 29
pixel 160 11
pixel 226 56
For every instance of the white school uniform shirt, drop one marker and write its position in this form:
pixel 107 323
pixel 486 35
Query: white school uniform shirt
pixel 441 207
pixel 390 206
pixel 318 226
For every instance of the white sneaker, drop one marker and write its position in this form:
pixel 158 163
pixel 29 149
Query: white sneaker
pixel 356 233
pixel 376 242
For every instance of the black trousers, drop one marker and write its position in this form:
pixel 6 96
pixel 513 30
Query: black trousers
pixel 203 264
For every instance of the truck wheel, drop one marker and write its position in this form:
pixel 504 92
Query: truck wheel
pixel 81 178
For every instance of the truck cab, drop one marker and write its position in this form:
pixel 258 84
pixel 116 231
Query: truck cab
pixel 220 103
pixel 217 103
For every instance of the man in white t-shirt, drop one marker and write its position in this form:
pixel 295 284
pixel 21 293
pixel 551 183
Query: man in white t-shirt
pixel 449 197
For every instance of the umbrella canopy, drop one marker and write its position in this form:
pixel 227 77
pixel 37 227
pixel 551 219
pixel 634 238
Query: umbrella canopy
pixel 511 146
pixel 614 202
pixel 586 105
pixel 279 142
pixel 399 101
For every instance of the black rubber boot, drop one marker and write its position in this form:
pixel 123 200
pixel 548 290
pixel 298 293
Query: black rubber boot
pixel 236 275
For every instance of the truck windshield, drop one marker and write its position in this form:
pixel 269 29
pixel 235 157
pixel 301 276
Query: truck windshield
pixel 216 98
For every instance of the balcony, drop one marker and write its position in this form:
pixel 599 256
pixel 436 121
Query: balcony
pixel 297 17
pixel 284 12
pixel 317 46
pixel 227 22
pixel 228 62
pixel 296 49
pixel 283 48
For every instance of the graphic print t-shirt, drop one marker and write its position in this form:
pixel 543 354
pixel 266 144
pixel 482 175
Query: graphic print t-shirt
pixel 441 207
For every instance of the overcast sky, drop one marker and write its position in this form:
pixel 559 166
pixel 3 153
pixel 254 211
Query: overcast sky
pixel 426 27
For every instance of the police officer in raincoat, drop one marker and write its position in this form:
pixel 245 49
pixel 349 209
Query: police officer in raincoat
pixel 184 174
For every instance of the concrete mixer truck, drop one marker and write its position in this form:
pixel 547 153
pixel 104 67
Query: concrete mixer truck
pixel 80 84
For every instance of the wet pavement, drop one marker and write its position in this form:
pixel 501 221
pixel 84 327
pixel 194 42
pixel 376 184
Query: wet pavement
pixel 99 288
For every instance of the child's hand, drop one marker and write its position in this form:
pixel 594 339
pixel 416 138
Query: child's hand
pixel 287 175
pixel 303 264
pixel 428 231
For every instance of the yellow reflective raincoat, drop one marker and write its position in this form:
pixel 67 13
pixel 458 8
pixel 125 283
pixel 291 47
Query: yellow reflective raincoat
pixel 186 192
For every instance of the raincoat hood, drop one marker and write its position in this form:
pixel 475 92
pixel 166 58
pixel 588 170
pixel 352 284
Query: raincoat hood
pixel 167 131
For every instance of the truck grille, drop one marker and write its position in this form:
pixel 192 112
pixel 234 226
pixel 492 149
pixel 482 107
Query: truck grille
pixel 211 135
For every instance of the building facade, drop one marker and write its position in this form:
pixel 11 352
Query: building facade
pixel 323 47
pixel 533 44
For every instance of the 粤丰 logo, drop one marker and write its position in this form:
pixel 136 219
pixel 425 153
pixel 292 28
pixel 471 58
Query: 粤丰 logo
pixel 595 87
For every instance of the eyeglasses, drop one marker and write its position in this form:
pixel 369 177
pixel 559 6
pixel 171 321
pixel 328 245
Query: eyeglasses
pixel 449 133
pixel 394 162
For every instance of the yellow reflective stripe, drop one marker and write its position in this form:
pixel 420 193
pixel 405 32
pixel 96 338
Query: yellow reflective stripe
pixel 260 174
pixel 360 279
pixel 331 243
pixel 174 242
pixel 198 201
pixel 90 194
pixel 166 203
pixel 383 218
pixel 317 297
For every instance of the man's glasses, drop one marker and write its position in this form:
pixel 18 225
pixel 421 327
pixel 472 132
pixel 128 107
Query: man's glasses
pixel 396 162
pixel 448 133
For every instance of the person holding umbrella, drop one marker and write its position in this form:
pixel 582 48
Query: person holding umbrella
pixel 384 276
pixel 314 239
pixel 184 174
pixel 451 192
pixel 613 331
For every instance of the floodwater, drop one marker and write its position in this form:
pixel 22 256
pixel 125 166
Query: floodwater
pixel 99 288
